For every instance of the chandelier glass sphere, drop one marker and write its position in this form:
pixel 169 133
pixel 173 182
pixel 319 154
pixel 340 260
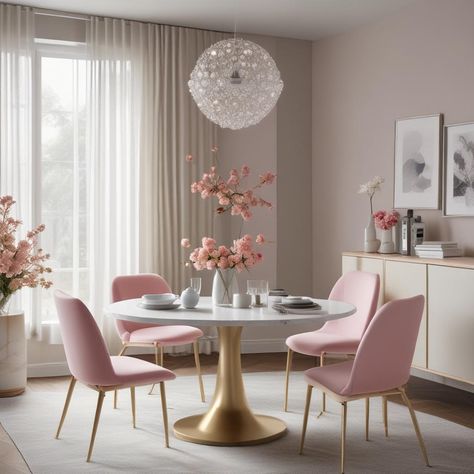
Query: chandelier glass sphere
pixel 235 83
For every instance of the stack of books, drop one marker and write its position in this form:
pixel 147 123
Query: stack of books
pixel 438 249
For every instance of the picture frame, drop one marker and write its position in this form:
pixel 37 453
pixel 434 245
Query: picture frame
pixel 417 162
pixel 458 182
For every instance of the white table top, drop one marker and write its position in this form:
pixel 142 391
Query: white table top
pixel 205 314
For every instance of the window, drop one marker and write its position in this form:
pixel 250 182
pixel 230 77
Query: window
pixel 61 171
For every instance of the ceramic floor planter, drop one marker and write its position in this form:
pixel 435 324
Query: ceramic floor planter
pixel 12 354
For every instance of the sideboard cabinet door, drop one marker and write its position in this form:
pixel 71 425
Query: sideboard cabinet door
pixel 403 280
pixel 372 265
pixel 451 321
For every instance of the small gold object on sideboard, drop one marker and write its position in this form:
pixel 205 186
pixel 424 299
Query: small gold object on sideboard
pixel 12 354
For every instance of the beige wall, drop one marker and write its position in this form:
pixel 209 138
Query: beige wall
pixel 416 62
pixel 281 142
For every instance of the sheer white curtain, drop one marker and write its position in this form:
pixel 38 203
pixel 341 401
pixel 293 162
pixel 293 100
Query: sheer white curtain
pixel 112 151
pixel 142 124
pixel 16 132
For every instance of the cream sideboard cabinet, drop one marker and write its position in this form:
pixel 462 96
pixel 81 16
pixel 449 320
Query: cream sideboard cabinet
pixel 445 345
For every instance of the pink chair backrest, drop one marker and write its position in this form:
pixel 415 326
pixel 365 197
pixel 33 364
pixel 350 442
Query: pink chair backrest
pixel 126 287
pixel 86 352
pixel 362 290
pixel 386 351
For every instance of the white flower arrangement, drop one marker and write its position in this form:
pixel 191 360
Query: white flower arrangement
pixel 370 188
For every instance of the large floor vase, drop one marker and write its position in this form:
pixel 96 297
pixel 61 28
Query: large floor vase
pixel 224 286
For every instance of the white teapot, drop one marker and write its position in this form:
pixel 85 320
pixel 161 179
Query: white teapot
pixel 189 298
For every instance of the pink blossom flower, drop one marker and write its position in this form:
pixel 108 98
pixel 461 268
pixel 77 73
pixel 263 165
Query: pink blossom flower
pixel 260 239
pixel 386 220
pixel 267 178
pixel 189 158
pixel 185 243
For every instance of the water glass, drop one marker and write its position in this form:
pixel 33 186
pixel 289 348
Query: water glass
pixel 196 284
pixel 259 291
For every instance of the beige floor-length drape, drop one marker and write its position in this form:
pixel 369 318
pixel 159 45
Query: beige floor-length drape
pixel 172 128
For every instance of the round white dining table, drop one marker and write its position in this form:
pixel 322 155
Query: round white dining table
pixel 229 421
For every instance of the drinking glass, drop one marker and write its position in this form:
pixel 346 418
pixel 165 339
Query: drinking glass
pixel 196 284
pixel 259 291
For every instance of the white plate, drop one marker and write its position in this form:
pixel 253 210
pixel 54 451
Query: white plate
pixel 159 298
pixel 159 306
pixel 293 300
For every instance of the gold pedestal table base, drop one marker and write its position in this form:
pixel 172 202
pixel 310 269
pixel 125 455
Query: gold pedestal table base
pixel 229 420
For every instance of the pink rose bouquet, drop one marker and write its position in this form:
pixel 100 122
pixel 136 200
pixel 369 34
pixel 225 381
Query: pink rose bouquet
pixel 21 263
pixel 229 192
pixel 241 255
pixel 386 220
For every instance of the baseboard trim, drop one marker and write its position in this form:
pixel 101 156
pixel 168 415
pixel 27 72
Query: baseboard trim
pixel 48 369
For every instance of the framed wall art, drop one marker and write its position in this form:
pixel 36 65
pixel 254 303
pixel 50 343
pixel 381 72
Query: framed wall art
pixel 418 162
pixel 459 170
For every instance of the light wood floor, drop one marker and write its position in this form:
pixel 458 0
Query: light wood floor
pixel 428 397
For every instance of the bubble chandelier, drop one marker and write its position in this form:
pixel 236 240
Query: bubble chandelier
pixel 235 83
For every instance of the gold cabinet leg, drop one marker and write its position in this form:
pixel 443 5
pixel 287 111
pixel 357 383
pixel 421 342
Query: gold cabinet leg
pixel 289 359
pixel 100 401
pixel 309 391
pixel 415 425
pixel 198 369
pixel 343 434
pixel 385 414
pixel 122 352
pixel 72 384
pixel 367 414
pixel 132 398
pixel 321 364
pixel 165 413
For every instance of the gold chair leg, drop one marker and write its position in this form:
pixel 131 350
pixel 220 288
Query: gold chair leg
pixel 122 352
pixel 343 434
pixel 198 369
pixel 415 425
pixel 309 391
pixel 321 364
pixel 367 414
pixel 160 362
pixel 100 401
pixel 72 384
pixel 289 360
pixel 165 413
pixel 385 414
pixel 132 398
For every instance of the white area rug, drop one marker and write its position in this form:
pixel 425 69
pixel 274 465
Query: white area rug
pixel 31 421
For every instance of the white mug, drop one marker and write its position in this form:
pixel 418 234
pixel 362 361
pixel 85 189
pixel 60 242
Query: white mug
pixel 241 300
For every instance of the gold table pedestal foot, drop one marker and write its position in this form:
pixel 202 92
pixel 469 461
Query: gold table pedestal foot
pixel 229 420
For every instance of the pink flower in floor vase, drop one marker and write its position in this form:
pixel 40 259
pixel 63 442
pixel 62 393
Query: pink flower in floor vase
pixel 21 264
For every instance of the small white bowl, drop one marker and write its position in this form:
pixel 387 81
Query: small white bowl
pixel 161 298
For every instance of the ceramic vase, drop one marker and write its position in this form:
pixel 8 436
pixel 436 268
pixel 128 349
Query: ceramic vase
pixel 371 243
pixel 387 245
pixel 224 286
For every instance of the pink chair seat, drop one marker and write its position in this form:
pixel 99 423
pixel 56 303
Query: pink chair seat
pixel 130 372
pixel 314 343
pixel 334 376
pixel 166 335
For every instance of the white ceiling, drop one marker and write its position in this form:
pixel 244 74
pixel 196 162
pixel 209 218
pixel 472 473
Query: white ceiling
pixel 303 19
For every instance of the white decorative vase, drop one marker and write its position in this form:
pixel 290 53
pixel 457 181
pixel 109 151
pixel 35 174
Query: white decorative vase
pixel 224 286
pixel 387 245
pixel 371 243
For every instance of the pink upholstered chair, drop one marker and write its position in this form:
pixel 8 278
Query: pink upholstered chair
pixel 90 363
pixel 145 335
pixel 341 336
pixel 381 366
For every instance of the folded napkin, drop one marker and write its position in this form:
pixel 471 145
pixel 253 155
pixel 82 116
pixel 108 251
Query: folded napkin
pixel 315 309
